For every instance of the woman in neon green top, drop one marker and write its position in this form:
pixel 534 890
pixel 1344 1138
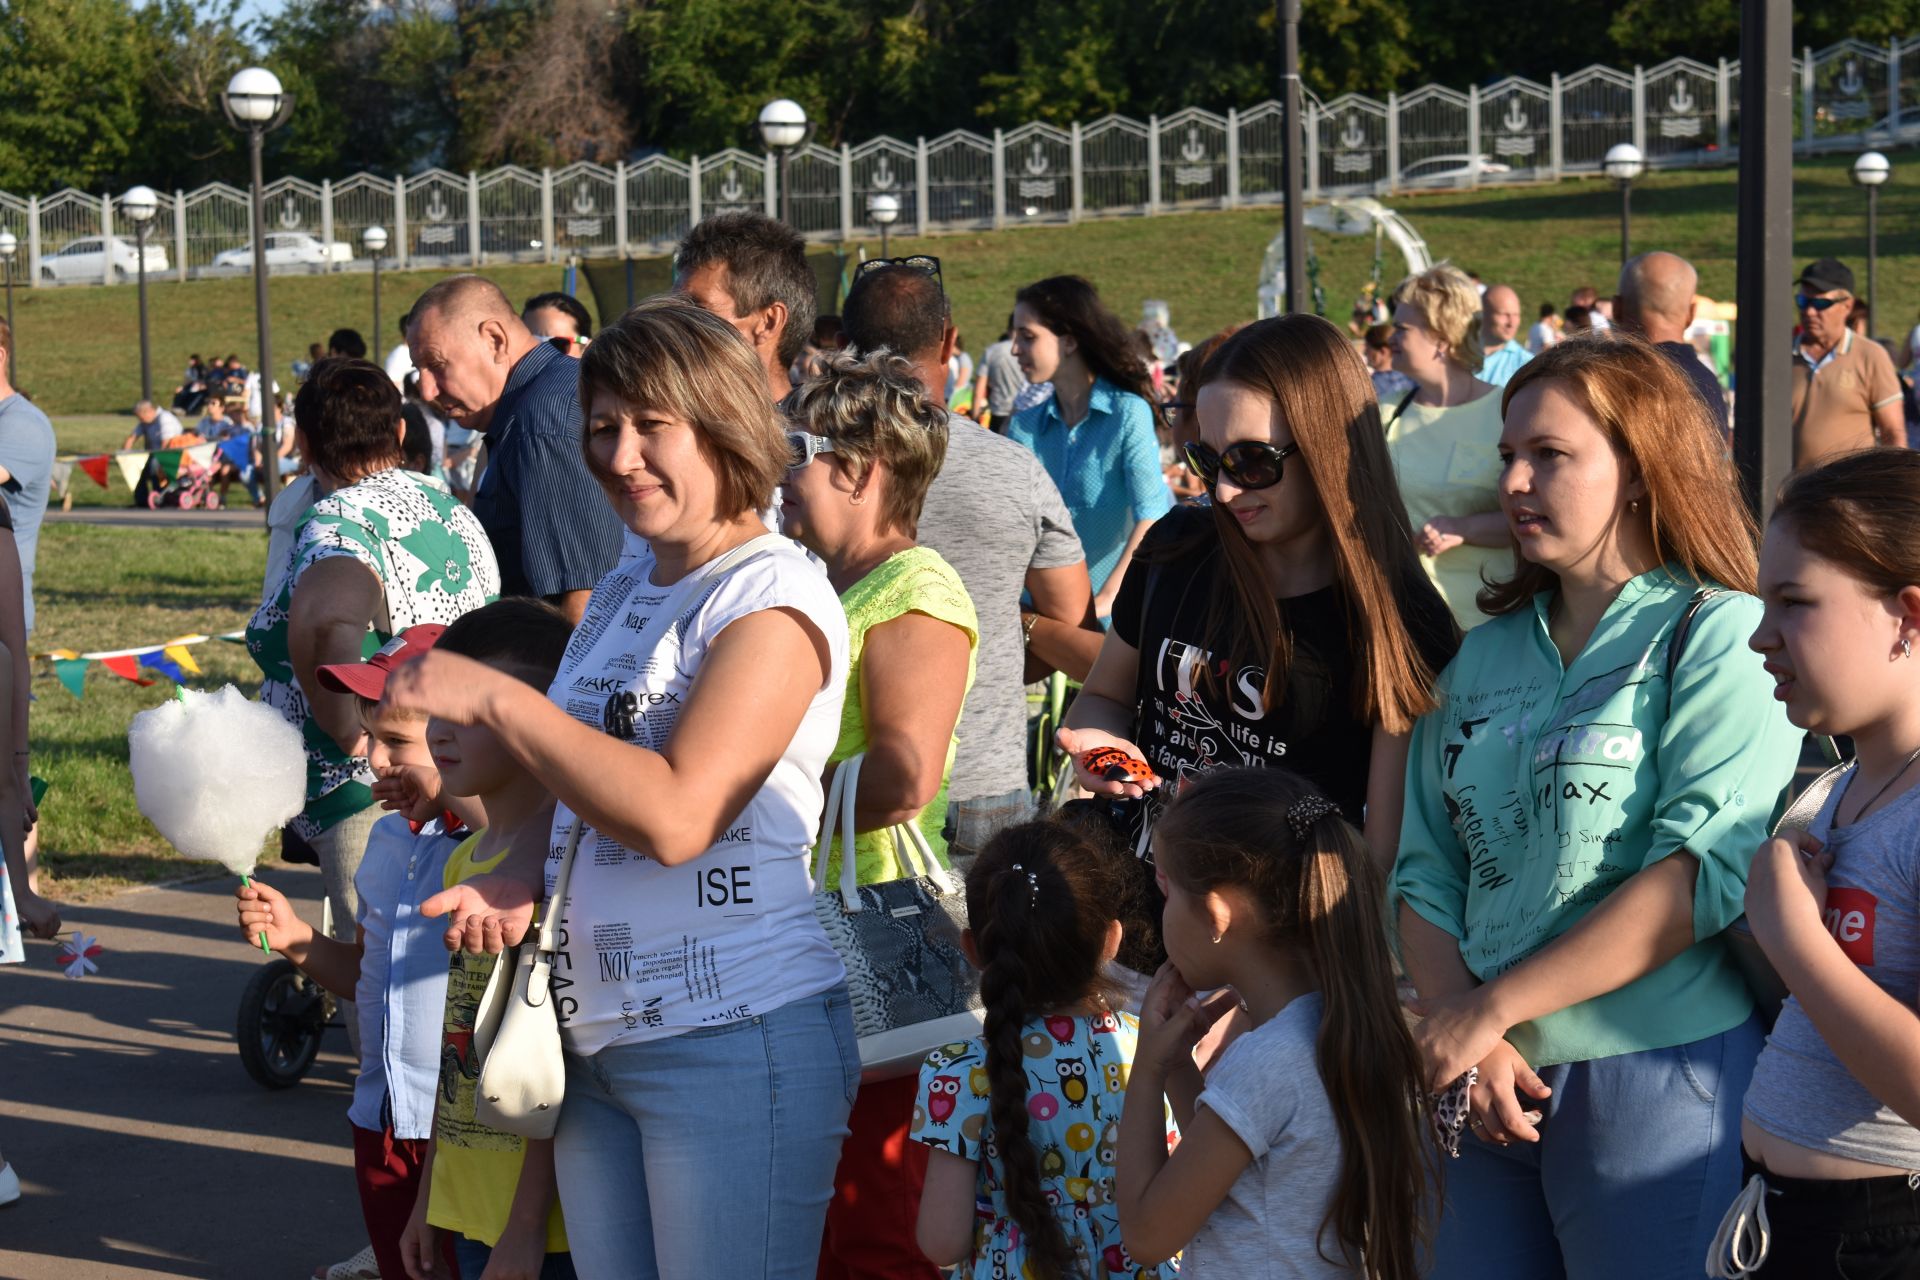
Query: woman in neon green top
pixel 870 441
pixel 1581 811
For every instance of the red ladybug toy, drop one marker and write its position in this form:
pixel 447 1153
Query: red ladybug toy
pixel 1115 765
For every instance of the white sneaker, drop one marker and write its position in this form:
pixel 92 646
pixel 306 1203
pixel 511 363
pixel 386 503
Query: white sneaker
pixel 9 1184
pixel 361 1266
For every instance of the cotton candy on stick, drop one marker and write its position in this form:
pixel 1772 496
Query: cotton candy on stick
pixel 216 774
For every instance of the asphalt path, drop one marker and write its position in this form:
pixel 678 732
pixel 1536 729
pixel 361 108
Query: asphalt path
pixel 143 1147
pixel 141 518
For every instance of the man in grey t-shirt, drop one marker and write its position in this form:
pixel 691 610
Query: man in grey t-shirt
pixel 26 468
pixel 999 382
pixel 995 516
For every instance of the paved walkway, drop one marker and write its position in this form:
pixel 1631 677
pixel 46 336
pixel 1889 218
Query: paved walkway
pixel 135 517
pixel 143 1147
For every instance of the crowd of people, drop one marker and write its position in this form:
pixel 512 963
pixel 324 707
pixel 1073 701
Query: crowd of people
pixel 1410 905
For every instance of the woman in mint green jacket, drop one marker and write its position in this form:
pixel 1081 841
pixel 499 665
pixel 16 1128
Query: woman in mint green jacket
pixel 1580 814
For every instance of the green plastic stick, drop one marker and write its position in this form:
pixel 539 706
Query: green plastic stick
pixel 248 882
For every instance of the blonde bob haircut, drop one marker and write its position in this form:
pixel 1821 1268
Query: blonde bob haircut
pixel 1660 428
pixel 669 356
pixel 1450 305
pixel 875 409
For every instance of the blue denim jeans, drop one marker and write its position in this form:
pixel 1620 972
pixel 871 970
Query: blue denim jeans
pixel 709 1153
pixel 1638 1158
pixel 473 1257
pixel 971 823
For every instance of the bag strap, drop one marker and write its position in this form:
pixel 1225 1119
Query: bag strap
pixel 909 842
pixel 1399 409
pixel 1807 805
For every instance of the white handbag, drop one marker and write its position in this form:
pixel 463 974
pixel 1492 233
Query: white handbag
pixel 516 1032
pixel 909 980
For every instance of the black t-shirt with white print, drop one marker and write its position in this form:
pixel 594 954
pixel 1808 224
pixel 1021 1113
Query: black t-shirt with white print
pixel 1190 725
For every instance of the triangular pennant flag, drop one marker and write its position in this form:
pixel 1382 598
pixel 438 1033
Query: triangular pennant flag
pixel 96 467
pixel 62 472
pixel 238 451
pixel 168 460
pixel 166 666
pixel 201 455
pixel 233 637
pixel 131 465
pixel 73 674
pixel 59 653
pixel 125 667
pixel 180 655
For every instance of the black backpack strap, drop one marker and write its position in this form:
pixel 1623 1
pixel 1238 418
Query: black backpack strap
pixel 1682 629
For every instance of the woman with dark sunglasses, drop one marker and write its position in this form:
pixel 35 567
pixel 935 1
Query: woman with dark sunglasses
pixel 1289 624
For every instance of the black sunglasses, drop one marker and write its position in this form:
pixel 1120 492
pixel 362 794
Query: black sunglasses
pixel 922 262
pixel 1806 303
pixel 1251 464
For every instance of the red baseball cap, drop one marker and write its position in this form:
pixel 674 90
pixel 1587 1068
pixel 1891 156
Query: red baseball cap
pixel 369 678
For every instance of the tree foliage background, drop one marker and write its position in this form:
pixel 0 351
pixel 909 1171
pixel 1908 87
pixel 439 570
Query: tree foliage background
pixel 100 94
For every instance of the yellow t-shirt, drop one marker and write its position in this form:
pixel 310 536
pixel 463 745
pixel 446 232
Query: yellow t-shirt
pixel 475 1169
pixel 1448 464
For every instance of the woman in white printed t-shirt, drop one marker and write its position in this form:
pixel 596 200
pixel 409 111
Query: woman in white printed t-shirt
pixel 711 1055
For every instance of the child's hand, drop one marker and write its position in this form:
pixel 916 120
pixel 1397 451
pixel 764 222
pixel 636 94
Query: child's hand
pixel 264 909
pixel 1787 888
pixel 520 1254
pixel 411 790
pixel 1173 1019
pixel 486 914
pixel 41 917
pixel 420 1246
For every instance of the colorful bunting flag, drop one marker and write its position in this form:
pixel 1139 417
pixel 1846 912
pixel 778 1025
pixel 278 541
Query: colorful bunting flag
pixel 178 652
pixel 95 467
pixel 168 461
pixel 124 666
pixel 201 455
pixel 238 451
pixel 165 666
pixel 62 472
pixel 131 465
pixel 73 674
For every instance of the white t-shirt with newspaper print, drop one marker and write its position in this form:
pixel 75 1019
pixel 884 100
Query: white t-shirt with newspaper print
pixel 649 951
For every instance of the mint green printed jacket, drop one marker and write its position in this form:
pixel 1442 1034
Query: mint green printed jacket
pixel 1534 790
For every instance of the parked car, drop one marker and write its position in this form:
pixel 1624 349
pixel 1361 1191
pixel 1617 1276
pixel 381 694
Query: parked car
pixel 288 249
pixel 84 261
pixel 1449 171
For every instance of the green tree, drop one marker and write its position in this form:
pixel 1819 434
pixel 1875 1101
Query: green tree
pixel 70 92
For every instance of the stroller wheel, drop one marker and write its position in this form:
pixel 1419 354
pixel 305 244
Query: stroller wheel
pixel 282 1016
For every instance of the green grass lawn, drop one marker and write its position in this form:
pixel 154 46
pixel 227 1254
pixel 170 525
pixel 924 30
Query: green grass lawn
pixel 79 347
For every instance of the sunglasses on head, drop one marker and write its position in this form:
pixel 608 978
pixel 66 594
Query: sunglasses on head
pixel 1806 303
pixel 803 447
pixel 922 262
pixel 1251 464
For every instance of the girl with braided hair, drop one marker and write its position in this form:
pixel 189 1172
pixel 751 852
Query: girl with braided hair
pixel 1303 1149
pixel 1026 1117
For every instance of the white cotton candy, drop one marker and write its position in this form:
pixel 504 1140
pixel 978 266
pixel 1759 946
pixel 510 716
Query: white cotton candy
pixel 217 774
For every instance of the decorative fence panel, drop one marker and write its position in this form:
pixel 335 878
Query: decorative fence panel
pixel 1681 113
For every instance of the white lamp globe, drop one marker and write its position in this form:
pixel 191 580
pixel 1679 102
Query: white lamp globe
pixel 783 123
pixel 9 244
pixel 1871 169
pixel 139 203
pixel 1624 162
pixel 374 238
pixel 253 95
pixel 883 209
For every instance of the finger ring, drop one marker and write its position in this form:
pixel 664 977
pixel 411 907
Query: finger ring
pixel 1475 1123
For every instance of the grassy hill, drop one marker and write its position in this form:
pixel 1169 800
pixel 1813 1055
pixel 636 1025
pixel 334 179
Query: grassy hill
pixel 79 347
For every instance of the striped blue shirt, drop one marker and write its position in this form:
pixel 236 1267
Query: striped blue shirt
pixel 1107 468
pixel 549 520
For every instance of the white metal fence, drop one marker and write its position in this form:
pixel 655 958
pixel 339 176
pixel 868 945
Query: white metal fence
pixel 1681 113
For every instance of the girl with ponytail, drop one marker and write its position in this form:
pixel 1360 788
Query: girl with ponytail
pixel 1027 1115
pixel 1303 1150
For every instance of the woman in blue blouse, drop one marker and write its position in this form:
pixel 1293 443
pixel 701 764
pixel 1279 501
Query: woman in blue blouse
pixel 1095 433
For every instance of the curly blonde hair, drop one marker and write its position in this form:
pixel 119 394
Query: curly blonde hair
pixel 875 409
pixel 1450 305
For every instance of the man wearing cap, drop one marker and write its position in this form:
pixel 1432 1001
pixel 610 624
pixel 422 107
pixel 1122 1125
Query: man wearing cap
pixel 1846 395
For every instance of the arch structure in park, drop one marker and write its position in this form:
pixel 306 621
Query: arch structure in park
pixel 1343 216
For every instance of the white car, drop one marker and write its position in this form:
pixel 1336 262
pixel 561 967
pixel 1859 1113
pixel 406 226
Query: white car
pixel 84 261
pixel 288 249
pixel 1449 171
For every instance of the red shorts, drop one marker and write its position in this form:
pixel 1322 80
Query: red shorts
pixel 387 1171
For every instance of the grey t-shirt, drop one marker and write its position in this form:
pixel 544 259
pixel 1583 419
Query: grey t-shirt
pixel 1266 1087
pixel 1004 379
pixel 993 513
pixel 26 451
pixel 1801 1092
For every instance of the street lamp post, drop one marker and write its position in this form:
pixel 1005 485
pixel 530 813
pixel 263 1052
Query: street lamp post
pixel 255 102
pixel 9 245
pixel 140 204
pixel 783 127
pixel 375 240
pixel 1623 164
pixel 1870 171
pixel 883 209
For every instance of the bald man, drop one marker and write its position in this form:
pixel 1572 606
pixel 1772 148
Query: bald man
pixel 552 528
pixel 1656 301
pixel 1499 323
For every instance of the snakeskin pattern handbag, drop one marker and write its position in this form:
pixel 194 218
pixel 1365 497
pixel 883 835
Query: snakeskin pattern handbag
pixel 911 985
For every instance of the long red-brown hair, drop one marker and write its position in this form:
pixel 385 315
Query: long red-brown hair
pixel 1656 422
pixel 1311 371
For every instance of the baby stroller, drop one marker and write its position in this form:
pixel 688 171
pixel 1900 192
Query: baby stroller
pixel 190 487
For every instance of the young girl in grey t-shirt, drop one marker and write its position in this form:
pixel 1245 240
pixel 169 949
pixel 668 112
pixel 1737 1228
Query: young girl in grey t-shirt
pixel 1829 1126
pixel 1302 1151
